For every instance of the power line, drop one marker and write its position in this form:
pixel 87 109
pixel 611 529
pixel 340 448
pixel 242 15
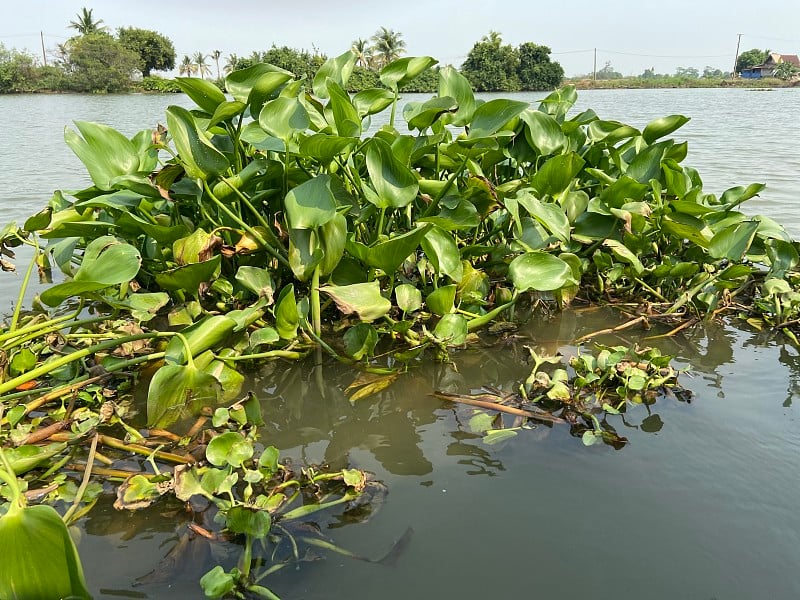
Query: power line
pixel 774 39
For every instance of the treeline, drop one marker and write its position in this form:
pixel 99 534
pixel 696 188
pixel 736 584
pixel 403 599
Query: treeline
pixel 96 60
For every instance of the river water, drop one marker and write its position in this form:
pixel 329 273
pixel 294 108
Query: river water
pixel 701 504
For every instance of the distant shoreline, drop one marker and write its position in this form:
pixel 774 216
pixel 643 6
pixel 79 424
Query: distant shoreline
pixel 635 83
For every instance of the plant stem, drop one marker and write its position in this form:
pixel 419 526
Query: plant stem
pixel 87 474
pixel 24 288
pixel 316 313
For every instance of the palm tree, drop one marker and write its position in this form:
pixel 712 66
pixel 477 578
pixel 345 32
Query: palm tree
pixel 215 56
pixel 363 52
pixel 186 67
pixel 493 38
pixel 85 23
pixel 230 63
pixel 387 46
pixel 201 68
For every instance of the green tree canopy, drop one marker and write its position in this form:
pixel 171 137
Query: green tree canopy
pixel 97 62
pixel 388 45
pixel 751 58
pixel 494 66
pixel 155 50
pixel 491 66
pixel 608 72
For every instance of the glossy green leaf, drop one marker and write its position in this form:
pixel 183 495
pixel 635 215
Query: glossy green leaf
pixel 360 341
pixel 372 101
pixel 229 448
pixel 324 147
pixel 287 317
pixel 363 299
pixel 40 560
pixel 540 271
pixel 175 390
pixel 249 521
pixel 647 164
pixel 441 249
pixel 284 117
pixel 389 254
pixel 338 69
pixel 543 132
pixel 345 116
pixel 490 117
pixel 269 77
pixel 451 329
pixel 395 184
pixel 733 241
pixel 421 115
pixel 404 70
pixel 409 298
pixel 624 254
pixel 202 92
pixel 441 301
pixel 256 280
pixel 664 126
pixel 106 262
pixel 189 277
pixel 557 174
pixel 196 153
pixel 455 85
pixel 332 241
pixel 310 204
pixel 733 197
pixel 226 111
pixel 305 253
pixel 551 216
pixel 105 152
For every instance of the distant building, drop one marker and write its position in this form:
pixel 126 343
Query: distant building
pixel 767 68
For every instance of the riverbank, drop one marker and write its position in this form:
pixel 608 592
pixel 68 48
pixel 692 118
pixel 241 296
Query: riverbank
pixel 636 83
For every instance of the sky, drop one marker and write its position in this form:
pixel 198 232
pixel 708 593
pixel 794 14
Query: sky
pixel 632 35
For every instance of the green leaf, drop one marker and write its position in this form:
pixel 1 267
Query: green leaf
pixel 106 153
pixel 332 241
pixel 543 132
pixel 360 341
pixel 491 116
pixel 733 241
pixel 540 271
pixel 284 117
pixel 39 557
pixel 345 115
pixel 197 155
pixel 208 332
pixel 217 583
pixel 557 174
pixel 395 184
pixel 624 254
pixel 389 254
pixel 372 101
pixel 310 204
pixel 647 164
pixel 338 69
pixel 106 262
pixel 404 70
pixel 454 84
pixel 226 111
pixel 451 329
pixel 266 77
pixel 324 147
pixel 441 249
pixel 364 299
pixel 229 448
pixel 734 196
pixel 249 521
pixel 189 277
pixel 202 92
pixel 663 126
pixel 175 389
pixel 441 301
pixel 287 317
pixel 550 216
pixel 421 115
pixel 256 280
pixel 409 298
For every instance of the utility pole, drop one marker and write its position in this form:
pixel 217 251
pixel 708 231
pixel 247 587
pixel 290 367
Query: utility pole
pixel 594 70
pixel 44 56
pixel 736 60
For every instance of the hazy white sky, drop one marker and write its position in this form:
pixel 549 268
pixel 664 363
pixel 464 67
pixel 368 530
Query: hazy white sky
pixel 631 34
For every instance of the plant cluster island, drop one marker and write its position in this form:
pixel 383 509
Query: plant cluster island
pixel 273 223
